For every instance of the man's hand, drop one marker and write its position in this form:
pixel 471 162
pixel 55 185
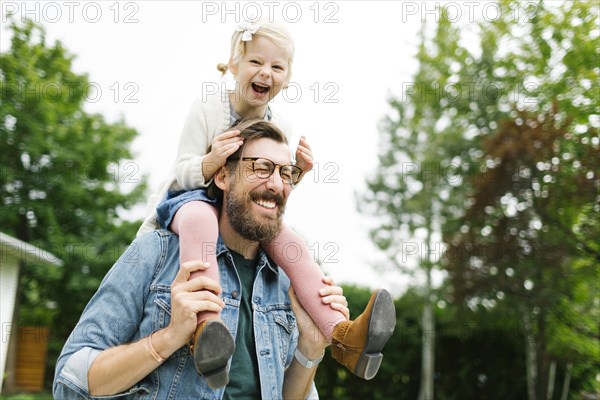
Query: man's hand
pixel 304 158
pixel 188 298
pixel 298 380
pixel 312 342
pixel 118 368
pixel 334 296
pixel 223 145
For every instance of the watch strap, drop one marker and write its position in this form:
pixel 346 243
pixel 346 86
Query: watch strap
pixel 305 362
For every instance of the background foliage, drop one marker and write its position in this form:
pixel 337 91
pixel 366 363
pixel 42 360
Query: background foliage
pixel 492 152
pixel 65 176
pixel 493 148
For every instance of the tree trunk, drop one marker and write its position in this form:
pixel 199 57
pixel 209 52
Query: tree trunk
pixel 551 379
pixel 566 382
pixel 428 330
pixel 542 356
pixel 530 357
pixel 427 366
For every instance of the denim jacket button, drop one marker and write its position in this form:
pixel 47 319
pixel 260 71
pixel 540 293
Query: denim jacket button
pixel 235 294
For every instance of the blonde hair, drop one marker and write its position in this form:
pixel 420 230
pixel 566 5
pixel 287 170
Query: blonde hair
pixel 273 31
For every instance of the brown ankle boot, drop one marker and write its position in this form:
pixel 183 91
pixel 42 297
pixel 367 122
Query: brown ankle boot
pixel 212 345
pixel 357 344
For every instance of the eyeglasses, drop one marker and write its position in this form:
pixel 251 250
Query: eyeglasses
pixel 263 168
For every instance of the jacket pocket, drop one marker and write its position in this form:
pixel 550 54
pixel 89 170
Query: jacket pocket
pixel 161 316
pixel 285 323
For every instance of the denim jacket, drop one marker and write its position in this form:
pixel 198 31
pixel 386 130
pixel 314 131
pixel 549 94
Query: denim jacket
pixel 134 300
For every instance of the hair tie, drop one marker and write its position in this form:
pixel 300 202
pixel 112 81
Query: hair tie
pixel 248 29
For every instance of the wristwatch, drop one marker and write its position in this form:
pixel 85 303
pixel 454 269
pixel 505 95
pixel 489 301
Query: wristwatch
pixel 305 362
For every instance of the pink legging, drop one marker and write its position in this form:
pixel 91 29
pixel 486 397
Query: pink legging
pixel 196 223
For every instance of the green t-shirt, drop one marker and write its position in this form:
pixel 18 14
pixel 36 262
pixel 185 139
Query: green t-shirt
pixel 244 379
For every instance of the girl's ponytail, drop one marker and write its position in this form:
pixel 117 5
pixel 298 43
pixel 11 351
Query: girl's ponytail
pixel 222 68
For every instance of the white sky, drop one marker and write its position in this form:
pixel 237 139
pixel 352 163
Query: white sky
pixel 150 59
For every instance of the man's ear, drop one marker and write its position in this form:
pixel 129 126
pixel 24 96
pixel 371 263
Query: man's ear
pixel 221 179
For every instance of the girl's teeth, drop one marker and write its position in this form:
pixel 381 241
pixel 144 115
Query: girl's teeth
pixel 260 88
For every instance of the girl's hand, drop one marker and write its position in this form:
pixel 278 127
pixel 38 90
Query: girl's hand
pixel 223 145
pixel 304 158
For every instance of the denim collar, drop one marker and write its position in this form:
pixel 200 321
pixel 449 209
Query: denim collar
pixel 263 259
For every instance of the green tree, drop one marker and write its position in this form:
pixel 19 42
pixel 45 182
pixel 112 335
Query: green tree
pixel 517 241
pixel 66 175
pixel 408 190
pixel 522 70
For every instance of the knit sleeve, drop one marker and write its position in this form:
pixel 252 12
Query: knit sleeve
pixel 195 140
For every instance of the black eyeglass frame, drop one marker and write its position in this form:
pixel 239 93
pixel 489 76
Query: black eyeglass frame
pixel 274 166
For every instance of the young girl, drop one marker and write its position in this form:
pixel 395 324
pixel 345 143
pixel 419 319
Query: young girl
pixel 260 60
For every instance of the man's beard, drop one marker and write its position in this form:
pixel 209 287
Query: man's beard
pixel 243 221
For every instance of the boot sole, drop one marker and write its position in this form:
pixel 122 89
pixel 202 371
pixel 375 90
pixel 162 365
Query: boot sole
pixel 381 327
pixel 212 350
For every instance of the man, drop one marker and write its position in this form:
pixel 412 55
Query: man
pixel 131 339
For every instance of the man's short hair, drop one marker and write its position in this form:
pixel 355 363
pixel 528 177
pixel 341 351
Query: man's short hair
pixel 250 129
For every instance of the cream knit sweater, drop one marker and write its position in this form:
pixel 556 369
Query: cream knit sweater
pixel 209 116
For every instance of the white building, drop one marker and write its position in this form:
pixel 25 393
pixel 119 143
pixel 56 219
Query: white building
pixel 12 253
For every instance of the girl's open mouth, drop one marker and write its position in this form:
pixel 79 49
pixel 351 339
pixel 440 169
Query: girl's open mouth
pixel 260 88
